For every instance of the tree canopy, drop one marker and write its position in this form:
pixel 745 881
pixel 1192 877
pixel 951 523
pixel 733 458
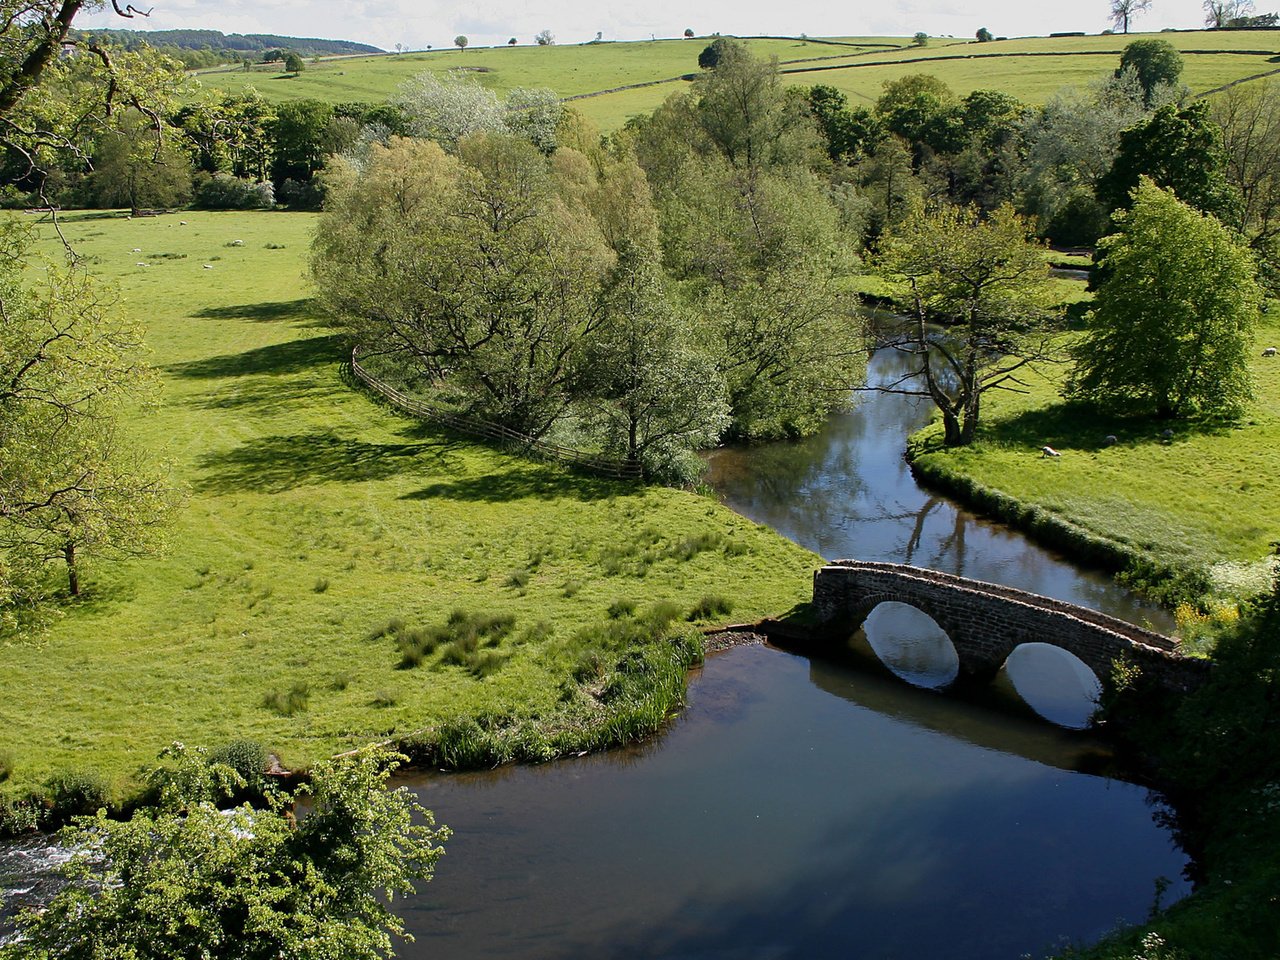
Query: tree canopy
pixel 990 279
pixel 1170 328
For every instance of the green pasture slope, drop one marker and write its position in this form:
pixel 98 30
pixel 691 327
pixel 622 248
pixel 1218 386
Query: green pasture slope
pixel 1032 69
pixel 1204 500
pixel 316 516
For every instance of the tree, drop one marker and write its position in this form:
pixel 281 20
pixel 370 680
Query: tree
pixel 534 113
pixel 1249 117
pixel 1224 13
pixel 688 33
pixel 446 110
pixel 1122 11
pixel 1170 330
pixel 1155 62
pixel 545 38
pixel 1179 149
pixel 921 39
pixel 130 170
pixel 186 879
pixel 851 134
pixel 990 279
pixel 713 52
pixel 460 41
pixel 984 35
pixel 745 112
pixel 511 42
pixel 71 484
pixel 922 110
pixel 293 63
pixel 298 138
pixel 476 269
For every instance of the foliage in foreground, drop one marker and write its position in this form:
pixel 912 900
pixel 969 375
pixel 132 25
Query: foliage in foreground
pixel 1215 752
pixel 185 879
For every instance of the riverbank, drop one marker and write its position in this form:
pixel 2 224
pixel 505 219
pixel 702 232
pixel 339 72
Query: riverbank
pixel 1187 517
pixel 342 574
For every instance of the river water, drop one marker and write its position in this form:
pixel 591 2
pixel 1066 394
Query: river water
pixel 813 808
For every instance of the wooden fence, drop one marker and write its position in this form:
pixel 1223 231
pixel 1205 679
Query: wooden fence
pixel 528 446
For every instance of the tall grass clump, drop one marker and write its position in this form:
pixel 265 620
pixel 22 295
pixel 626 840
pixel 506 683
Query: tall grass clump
pixel 711 607
pixel 248 758
pixel 466 640
pixel 288 702
pixel 76 793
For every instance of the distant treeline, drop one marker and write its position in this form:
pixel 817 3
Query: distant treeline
pixel 197 48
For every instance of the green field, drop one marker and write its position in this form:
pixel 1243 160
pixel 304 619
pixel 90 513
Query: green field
pixel 1203 500
pixel 1032 69
pixel 315 517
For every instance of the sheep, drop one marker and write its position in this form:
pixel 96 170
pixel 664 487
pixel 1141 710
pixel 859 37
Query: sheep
pixel 137 249
pixel 1167 435
pixel 182 223
pixel 1110 440
pixel 237 243
pixel 1269 352
pixel 141 264
pixel 208 266
pixel 1048 452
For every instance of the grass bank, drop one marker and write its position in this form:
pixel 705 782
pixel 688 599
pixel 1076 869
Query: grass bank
pixel 326 537
pixel 1182 516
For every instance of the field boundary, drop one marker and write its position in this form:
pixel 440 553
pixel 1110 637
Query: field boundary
pixel 619 469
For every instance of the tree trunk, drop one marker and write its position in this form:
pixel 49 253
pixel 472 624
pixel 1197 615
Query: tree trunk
pixel 73 575
pixel 952 437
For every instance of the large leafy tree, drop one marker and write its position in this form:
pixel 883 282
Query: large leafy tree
pixel 989 279
pixel 1155 62
pixel 71 368
pixel 186 879
pixel 1249 117
pixel 1170 328
pixel 1180 149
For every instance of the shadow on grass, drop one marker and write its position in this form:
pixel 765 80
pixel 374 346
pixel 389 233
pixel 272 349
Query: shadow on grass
pixel 275 464
pixel 274 311
pixel 280 358
pixel 525 481
pixel 1083 426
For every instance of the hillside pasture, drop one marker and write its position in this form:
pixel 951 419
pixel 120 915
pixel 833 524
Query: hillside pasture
pixel 1032 69
pixel 317 521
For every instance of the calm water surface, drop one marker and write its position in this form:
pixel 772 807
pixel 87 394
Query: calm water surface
pixel 797 809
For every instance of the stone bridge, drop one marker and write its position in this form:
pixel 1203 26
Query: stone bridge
pixel 986 622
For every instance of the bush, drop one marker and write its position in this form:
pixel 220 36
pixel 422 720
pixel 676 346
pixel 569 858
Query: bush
pixel 301 194
pixel 711 607
pixel 221 191
pixel 6 765
pixel 77 793
pixel 247 758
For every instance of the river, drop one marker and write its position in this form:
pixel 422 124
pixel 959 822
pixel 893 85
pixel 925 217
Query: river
pixel 812 808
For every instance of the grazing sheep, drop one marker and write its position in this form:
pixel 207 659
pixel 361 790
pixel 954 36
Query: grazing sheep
pixel 1168 435
pixel 137 249
pixel 208 266
pixel 141 264
pixel 237 243
pixel 1048 452
pixel 1269 352
pixel 1110 440
pixel 182 223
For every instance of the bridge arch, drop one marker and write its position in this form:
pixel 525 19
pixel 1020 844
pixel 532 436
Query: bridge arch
pixel 1053 682
pixel 987 622
pixel 910 644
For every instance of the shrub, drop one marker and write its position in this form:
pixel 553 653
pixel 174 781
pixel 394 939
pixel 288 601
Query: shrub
pixel 621 608
pixel 77 793
pixel 248 758
pixel 321 585
pixel 301 195
pixel 6 765
pixel 221 191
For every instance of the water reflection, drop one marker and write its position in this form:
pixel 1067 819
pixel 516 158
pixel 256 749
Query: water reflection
pixel 1055 683
pixel 847 492
pixel 910 644
pixel 797 809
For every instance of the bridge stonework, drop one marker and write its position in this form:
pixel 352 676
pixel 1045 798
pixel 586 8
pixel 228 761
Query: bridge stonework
pixel 986 622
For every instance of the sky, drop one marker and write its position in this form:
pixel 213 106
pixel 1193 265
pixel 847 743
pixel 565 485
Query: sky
pixel 417 23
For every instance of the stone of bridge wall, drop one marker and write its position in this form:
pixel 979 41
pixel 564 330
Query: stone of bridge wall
pixel 985 627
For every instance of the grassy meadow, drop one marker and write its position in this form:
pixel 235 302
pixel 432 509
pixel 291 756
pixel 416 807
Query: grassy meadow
pixel 1032 69
pixel 1203 500
pixel 322 529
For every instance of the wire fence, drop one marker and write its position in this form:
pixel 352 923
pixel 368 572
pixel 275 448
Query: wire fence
pixel 473 426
